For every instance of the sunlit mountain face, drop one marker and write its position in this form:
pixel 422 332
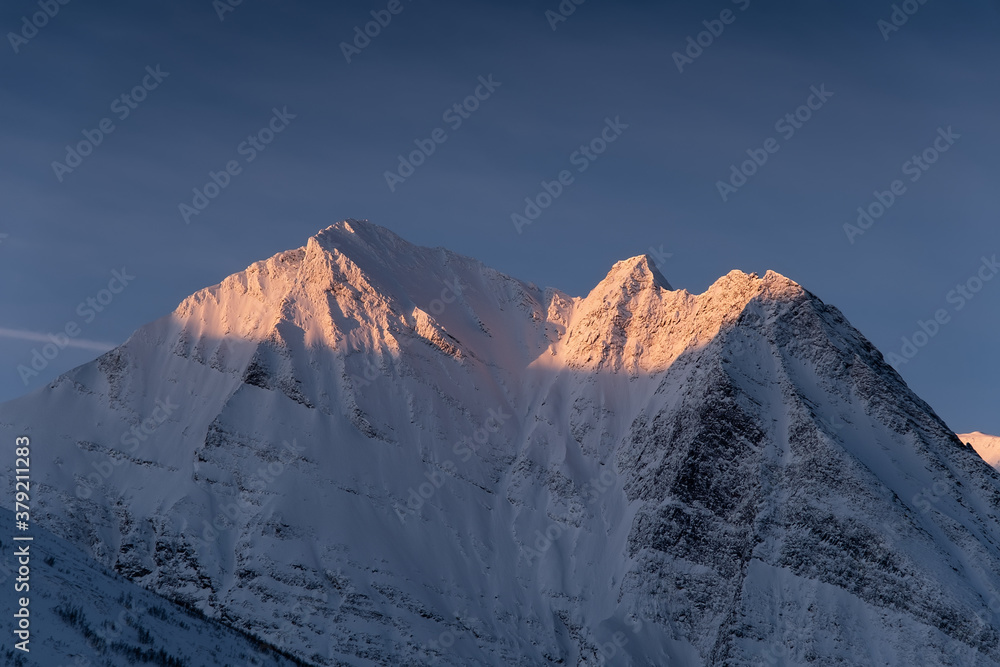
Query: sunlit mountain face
pixel 364 452
pixel 987 446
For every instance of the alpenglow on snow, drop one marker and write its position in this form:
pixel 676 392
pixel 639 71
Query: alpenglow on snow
pixel 388 454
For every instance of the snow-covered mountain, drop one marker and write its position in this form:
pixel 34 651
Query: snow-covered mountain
pixel 82 615
pixel 987 446
pixel 365 452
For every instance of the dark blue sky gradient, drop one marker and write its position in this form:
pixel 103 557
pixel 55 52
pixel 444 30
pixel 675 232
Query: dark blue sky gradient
pixel 656 185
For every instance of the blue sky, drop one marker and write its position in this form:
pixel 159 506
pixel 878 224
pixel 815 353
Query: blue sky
pixel 655 185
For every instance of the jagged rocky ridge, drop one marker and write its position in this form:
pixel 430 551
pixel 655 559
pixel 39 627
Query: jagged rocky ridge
pixel 374 453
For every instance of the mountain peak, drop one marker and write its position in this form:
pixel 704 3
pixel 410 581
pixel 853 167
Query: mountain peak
pixel 552 468
pixel 633 275
pixel 658 277
pixel 361 235
pixel 987 446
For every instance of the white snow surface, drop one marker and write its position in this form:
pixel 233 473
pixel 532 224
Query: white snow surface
pixel 987 446
pixel 374 453
pixel 82 615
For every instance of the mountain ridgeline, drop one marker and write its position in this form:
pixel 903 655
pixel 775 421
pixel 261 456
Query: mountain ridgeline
pixel 378 453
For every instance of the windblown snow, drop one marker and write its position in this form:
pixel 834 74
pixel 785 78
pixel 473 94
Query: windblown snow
pixel 365 452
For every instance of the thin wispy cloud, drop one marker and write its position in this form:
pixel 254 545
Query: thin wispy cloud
pixel 35 336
